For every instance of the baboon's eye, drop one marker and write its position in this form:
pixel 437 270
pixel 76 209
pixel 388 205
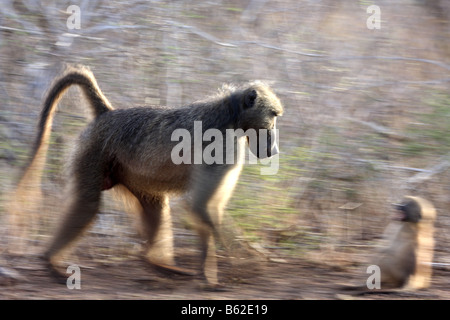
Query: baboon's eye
pixel 250 99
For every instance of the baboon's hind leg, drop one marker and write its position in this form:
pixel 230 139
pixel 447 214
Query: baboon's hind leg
pixel 84 205
pixel 157 230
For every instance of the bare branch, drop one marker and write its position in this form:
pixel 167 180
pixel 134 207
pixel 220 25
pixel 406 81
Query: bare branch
pixel 381 129
pixel 200 33
pixel 438 168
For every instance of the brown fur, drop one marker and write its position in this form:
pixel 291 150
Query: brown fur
pixel 405 263
pixel 421 277
pixel 129 150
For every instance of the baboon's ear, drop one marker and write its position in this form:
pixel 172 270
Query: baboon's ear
pixel 250 99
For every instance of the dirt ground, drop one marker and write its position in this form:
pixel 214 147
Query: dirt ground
pixel 245 278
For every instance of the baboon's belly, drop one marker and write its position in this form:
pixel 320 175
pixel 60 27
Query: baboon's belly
pixel 155 179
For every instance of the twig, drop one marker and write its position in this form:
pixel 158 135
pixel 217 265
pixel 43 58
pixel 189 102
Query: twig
pixel 200 33
pixel 21 30
pixel 440 167
pixel 380 129
pixel 437 63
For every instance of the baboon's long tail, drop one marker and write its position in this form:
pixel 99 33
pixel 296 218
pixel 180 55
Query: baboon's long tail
pixel 82 77
pixel 27 196
pixel 98 102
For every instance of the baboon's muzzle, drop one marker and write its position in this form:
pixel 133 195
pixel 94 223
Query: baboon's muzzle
pixel 266 145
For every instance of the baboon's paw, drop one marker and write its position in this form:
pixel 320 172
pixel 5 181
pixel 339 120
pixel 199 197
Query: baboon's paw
pixel 56 274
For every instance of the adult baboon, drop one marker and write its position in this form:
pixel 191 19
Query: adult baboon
pixel 130 150
pixel 406 260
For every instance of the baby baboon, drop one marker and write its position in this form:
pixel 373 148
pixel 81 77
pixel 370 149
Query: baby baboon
pixel 130 150
pixel 406 260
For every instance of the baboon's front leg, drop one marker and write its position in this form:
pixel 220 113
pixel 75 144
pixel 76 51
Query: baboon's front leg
pixel 212 188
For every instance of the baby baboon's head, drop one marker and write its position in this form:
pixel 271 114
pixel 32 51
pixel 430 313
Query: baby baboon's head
pixel 416 209
pixel 409 211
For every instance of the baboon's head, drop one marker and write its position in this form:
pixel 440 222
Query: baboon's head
pixel 416 209
pixel 260 108
pixel 409 211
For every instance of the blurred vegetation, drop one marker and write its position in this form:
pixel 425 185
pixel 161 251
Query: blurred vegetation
pixel 431 134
